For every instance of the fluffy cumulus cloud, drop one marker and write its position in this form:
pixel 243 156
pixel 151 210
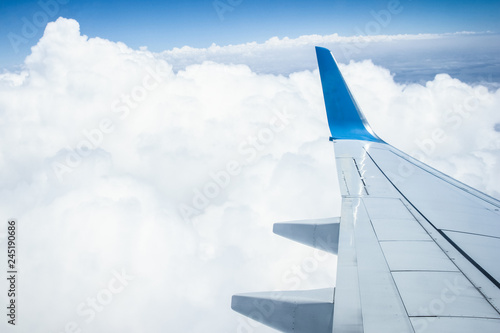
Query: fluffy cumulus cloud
pixel 146 195
pixel 445 123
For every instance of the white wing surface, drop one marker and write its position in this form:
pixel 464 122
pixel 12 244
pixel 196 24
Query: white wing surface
pixel 417 250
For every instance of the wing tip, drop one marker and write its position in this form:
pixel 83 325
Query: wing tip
pixel 345 119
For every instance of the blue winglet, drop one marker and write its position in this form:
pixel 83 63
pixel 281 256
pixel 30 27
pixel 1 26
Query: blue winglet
pixel 345 119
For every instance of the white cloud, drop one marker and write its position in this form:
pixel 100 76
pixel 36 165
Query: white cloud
pixel 155 139
pixel 412 57
pixel 445 123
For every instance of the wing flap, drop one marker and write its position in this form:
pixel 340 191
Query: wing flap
pixel 455 325
pixel 441 294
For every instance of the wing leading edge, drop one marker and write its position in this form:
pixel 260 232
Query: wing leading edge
pixel 417 250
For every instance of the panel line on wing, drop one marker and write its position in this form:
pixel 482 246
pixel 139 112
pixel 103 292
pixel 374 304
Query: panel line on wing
pixel 468 317
pixel 377 287
pixel 463 253
pixel 470 233
pixel 436 173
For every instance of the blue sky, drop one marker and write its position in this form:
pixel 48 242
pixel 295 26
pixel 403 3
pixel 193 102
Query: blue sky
pixel 162 25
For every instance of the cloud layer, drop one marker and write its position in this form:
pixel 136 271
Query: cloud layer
pixel 146 195
pixel 470 56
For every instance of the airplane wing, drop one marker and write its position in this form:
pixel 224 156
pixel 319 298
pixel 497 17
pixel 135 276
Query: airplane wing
pixel 417 250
